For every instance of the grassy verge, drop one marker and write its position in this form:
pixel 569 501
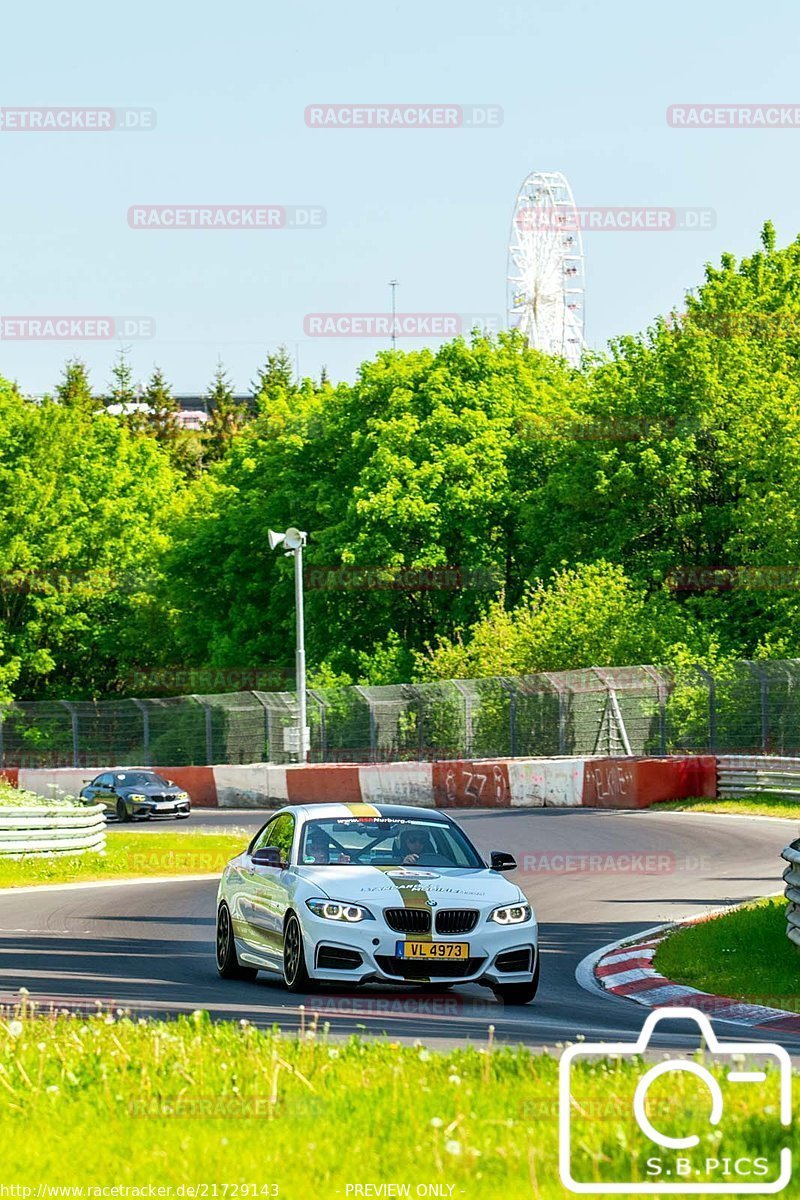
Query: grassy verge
pixel 763 806
pixel 129 855
pixel 744 954
pixel 102 1099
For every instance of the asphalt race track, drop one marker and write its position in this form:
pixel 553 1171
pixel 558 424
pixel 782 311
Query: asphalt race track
pixel 149 946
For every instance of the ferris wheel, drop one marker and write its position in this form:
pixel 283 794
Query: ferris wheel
pixel 545 267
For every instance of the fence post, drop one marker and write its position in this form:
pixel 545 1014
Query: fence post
pixel 562 709
pixel 312 692
pixel 143 709
pixel 763 683
pixel 206 707
pixel 373 729
pixel 467 698
pixel 712 706
pixel 662 707
pixel 267 748
pixel 512 715
pixel 73 712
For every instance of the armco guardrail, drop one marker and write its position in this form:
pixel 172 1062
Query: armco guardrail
pixel 750 775
pixel 792 876
pixel 42 830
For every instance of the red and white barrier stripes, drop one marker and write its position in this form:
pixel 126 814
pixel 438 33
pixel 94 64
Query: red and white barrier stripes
pixel 593 782
pixel 626 969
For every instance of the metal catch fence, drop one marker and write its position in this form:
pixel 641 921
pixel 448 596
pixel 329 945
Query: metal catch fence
pixel 749 708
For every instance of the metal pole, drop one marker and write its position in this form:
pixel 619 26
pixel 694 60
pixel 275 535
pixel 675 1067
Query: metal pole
pixel 143 709
pixel 301 652
pixel 393 286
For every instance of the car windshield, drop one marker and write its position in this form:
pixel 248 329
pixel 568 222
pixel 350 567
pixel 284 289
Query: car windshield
pixel 385 842
pixel 139 779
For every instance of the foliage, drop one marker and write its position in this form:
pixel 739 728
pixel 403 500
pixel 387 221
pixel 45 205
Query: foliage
pixel 84 503
pixel 482 1117
pixel 478 509
pixel 227 415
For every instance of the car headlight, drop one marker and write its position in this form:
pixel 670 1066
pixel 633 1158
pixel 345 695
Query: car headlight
pixel 335 910
pixel 137 799
pixel 511 914
pixel 182 796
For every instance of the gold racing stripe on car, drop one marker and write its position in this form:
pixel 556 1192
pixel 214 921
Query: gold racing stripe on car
pixel 413 895
pixel 362 810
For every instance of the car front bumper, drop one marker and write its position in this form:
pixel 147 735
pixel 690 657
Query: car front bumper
pixel 160 808
pixel 377 945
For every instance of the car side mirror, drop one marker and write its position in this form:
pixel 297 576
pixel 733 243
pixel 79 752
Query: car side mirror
pixel 502 861
pixel 267 856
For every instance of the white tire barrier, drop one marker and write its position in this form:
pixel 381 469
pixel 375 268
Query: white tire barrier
pixel 43 830
pixel 791 875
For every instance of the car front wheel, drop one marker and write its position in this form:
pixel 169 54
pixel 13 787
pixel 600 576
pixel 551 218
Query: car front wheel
pixel 122 811
pixel 228 964
pixel 295 972
pixel 518 993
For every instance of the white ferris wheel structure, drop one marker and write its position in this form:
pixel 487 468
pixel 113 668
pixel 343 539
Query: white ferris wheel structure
pixel 545 267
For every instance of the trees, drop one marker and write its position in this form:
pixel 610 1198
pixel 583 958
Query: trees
pixel 83 504
pixel 163 409
pixel 74 389
pixel 274 380
pixel 409 482
pixel 227 415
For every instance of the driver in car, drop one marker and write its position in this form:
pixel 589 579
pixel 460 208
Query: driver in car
pixel 418 849
pixel 317 850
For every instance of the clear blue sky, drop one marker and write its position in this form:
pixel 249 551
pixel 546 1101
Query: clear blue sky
pixel 584 88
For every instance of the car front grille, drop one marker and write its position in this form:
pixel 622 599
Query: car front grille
pixel 420 968
pixel 408 920
pixel 456 920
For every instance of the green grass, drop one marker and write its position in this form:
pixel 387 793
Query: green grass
pixel 11 797
pixel 744 954
pixel 763 806
pixel 129 855
pixel 104 1100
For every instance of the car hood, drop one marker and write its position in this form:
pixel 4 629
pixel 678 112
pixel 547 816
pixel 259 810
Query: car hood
pixel 150 789
pixel 442 888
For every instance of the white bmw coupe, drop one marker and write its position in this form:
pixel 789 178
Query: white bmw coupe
pixel 357 893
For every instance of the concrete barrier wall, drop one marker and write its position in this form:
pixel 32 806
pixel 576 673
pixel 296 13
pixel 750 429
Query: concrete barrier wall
pixel 484 783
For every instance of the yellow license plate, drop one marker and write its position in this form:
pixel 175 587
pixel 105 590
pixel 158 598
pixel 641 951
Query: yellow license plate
pixel 433 949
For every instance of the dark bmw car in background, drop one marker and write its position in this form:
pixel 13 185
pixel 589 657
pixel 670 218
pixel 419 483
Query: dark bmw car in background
pixel 130 794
